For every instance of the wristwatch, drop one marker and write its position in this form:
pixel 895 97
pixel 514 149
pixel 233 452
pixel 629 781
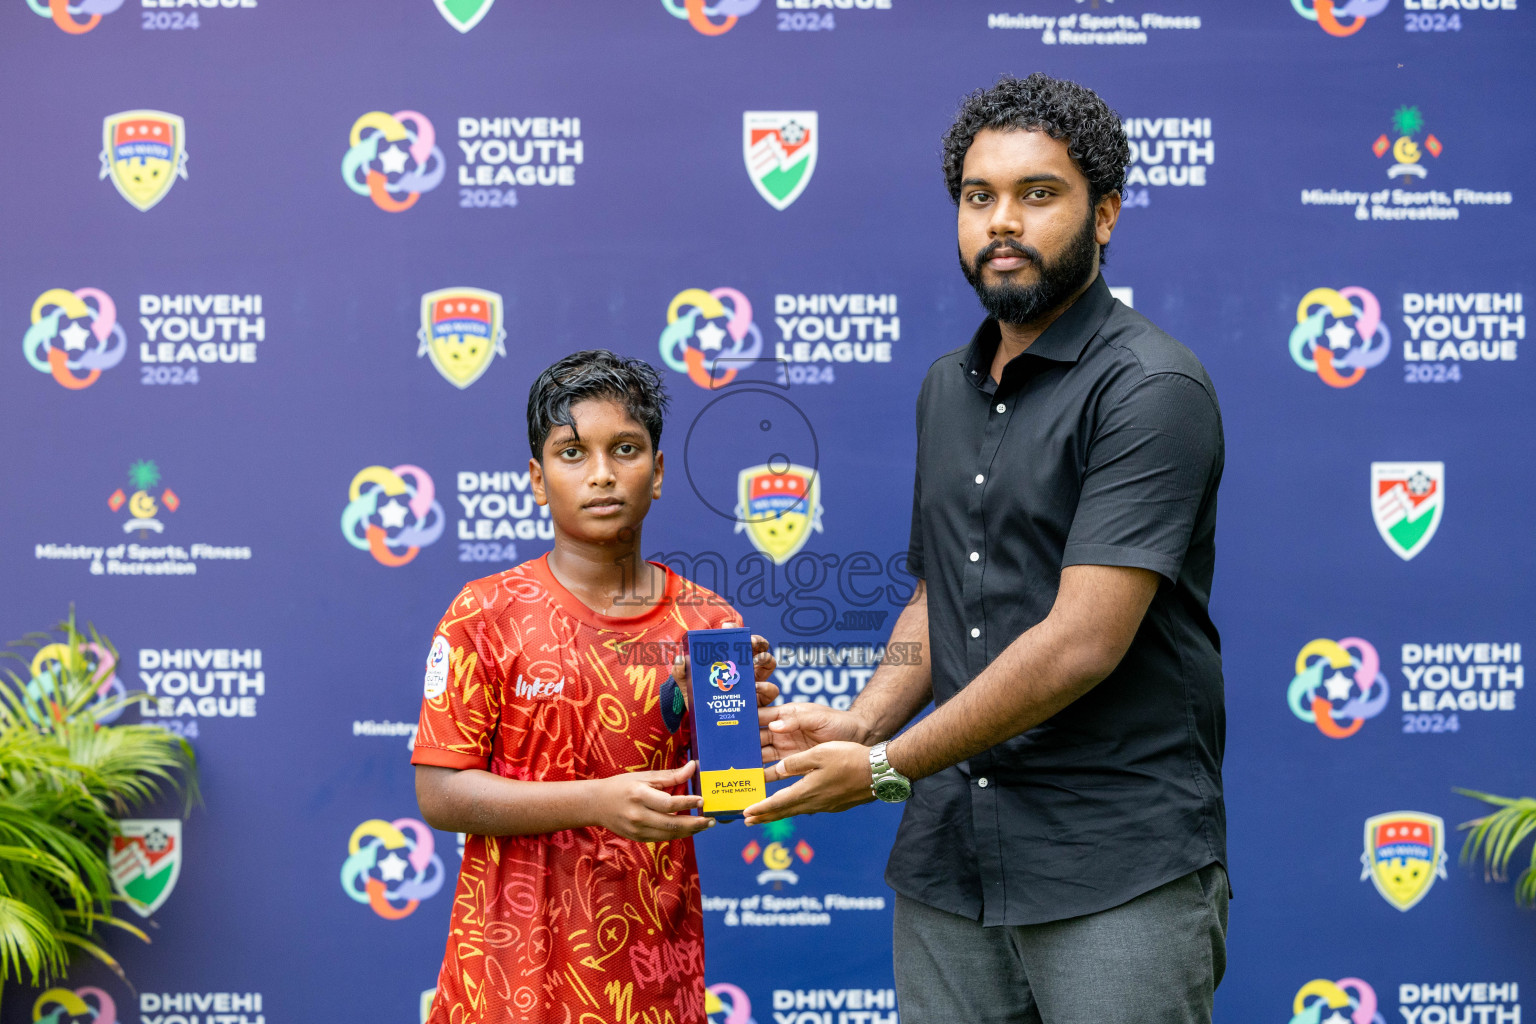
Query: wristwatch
pixel 886 782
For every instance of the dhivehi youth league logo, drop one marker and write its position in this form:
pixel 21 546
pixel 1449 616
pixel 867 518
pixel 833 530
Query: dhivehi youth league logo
pixel 780 150
pixel 392 513
pixel 698 13
pixel 392 866
pixel 63 14
pixel 1404 854
pixel 778 507
pixel 1339 332
pixel 461 331
pixel 393 159
pixel 1337 686
pixel 1327 14
pixel 723 676
pixel 1407 499
pixel 75 331
pixel 146 861
pixel 710 335
pixel 86 1003
pixel 463 14
pixel 143 152
pixel 1346 1001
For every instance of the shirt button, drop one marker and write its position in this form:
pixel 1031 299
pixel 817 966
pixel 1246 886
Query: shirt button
pixel 982 782
pixel 1001 407
pixel 980 477
pixel 975 556
pixel 975 631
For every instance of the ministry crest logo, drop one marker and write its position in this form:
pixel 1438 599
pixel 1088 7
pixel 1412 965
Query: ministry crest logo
pixel 1406 151
pixel 143 152
pixel 1404 854
pixel 146 861
pixel 780 149
pixel 1407 500
pixel 461 331
pixel 143 506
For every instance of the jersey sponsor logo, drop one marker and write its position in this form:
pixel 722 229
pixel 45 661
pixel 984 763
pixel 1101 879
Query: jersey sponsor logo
pixel 393 158
pixel 463 14
pixel 1331 17
pixel 1337 686
pixel 86 1003
pixel 1407 500
pixel 1404 854
pixel 143 152
pixel 1346 1001
pixel 710 19
pixel 145 861
pixel 779 147
pixel 1339 334
pixel 461 332
pixel 75 336
pixel 778 505
pixel 392 866
pixel 437 669
pixel 392 513
pixel 710 335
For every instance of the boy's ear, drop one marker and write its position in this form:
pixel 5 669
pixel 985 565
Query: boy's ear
pixel 657 472
pixel 536 481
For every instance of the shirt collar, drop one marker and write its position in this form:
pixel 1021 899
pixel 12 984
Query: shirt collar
pixel 1062 342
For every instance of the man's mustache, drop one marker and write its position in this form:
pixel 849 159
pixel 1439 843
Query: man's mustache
pixel 1014 248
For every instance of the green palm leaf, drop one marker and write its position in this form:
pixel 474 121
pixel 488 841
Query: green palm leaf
pixel 1494 839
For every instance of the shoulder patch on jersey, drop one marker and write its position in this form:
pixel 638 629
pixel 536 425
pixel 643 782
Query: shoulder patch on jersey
pixel 437 669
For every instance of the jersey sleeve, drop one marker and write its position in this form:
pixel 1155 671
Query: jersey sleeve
pixel 461 697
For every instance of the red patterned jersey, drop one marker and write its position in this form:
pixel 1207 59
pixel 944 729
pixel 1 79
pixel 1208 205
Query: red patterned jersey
pixel 579 926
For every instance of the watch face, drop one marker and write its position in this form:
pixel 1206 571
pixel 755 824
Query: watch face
pixel 893 791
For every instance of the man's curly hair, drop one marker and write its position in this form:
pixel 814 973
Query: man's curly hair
pixel 1061 109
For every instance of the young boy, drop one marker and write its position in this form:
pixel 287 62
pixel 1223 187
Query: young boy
pixel 560 756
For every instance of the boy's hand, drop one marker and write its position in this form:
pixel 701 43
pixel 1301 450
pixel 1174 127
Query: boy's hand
pixel 636 805
pixel 763 664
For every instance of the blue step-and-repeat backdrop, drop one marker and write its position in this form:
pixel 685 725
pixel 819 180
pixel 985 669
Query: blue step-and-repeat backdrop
pixel 267 264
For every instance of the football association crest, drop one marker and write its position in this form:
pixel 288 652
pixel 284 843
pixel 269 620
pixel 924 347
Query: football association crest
pixel 461 330
pixel 463 14
pixel 778 508
pixel 75 330
pixel 1404 854
pixel 143 152
pixel 1407 499
pixel 780 149
pixel 146 861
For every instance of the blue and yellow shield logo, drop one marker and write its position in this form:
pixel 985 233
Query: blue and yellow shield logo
pixel 461 331
pixel 1404 854
pixel 143 152
pixel 778 508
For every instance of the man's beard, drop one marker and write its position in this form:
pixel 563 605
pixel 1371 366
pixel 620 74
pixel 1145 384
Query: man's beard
pixel 1011 303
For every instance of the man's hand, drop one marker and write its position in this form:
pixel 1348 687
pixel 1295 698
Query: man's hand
pixel 836 777
pixel 763 664
pixel 794 728
pixel 636 805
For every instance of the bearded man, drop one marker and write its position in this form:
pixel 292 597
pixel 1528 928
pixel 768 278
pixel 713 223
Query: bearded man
pixel 1061 854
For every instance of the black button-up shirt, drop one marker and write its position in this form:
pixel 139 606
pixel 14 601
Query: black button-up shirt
pixel 1101 445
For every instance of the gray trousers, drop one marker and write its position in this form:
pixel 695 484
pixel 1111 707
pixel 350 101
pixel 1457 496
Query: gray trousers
pixel 1154 960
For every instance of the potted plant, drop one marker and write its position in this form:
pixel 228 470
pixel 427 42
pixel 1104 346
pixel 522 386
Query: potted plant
pixel 1495 837
pixel 66 775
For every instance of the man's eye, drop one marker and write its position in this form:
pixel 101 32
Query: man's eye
pixel 627 449
pixel 979 197
pixel 570 453
pixel 1037 193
